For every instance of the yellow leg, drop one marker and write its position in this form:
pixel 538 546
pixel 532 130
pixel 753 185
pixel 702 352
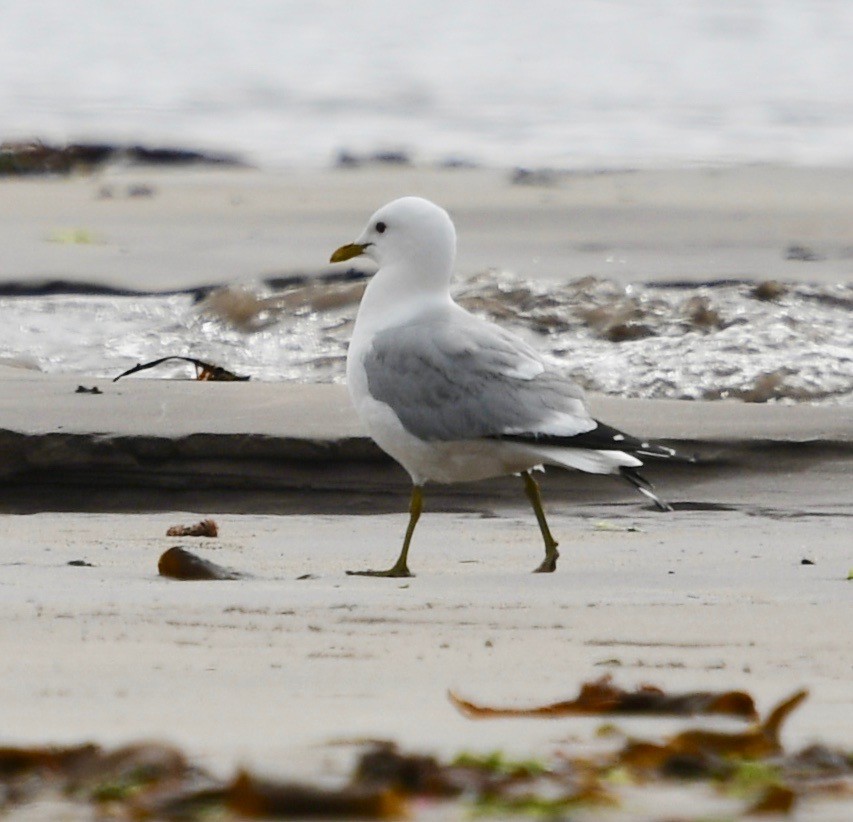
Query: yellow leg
pixel 400 569
pixel 531 488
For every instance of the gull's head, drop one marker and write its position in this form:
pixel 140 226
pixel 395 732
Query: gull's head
pixel 411 233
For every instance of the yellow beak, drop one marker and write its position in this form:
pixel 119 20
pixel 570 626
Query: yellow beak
pixel 347 252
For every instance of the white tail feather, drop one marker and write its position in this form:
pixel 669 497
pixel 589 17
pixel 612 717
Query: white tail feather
pixel 584 459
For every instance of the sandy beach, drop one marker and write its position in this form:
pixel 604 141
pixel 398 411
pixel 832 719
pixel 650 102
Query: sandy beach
pixel 745 585
pixel 195 228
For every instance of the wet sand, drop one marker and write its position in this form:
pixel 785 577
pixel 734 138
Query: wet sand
pixel 197 228
pixel 285 673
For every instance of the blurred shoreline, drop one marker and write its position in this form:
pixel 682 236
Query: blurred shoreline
pixel 161 229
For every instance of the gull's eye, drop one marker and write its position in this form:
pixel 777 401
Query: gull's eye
pixel 380 227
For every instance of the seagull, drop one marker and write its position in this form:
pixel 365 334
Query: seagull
pixel 455 398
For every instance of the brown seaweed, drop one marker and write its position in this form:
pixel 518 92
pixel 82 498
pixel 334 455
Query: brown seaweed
pixel 761 740
pixel 205 528
pixel 603 697
pixel 205 371
pixel 150 781
pixel 256 798
pixel 32 157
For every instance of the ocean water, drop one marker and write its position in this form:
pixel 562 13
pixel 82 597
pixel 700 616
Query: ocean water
pixel 791 344
pixel 587 83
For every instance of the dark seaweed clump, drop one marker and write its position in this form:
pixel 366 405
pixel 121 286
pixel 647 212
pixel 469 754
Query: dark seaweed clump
pixel 34 157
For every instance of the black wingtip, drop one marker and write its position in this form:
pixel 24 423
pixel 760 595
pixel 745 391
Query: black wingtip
pixel 633 477
pixel 602 438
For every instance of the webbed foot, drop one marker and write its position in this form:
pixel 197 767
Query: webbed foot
pixel 548 565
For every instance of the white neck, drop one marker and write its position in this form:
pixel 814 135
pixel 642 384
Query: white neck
pixel 391 300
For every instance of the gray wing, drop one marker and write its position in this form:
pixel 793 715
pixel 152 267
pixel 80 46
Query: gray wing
pixel 466 380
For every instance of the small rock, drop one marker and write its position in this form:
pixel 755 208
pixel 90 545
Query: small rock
pixel 457 163
pixel 81 389
pixel 346 159
pixel 140 190
pixel 533 177
pixel 80 563
pixel 394 158
pixel 803 253
pixel 178 563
